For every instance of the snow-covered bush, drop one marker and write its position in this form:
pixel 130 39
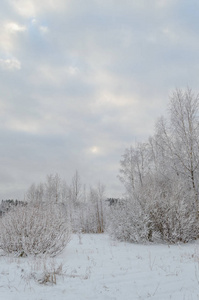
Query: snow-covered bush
pixel 155 216
pixel 34 229
pixel 173 217
pixel 129 223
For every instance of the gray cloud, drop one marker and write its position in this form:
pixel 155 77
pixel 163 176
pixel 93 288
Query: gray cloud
pixel 82 80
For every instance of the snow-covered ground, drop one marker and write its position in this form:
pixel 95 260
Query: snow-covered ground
pixel 96 267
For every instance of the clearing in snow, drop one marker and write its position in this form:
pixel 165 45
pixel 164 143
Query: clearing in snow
pixel 96 267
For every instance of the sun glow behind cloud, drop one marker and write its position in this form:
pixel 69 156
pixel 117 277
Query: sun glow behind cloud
pixel 95 150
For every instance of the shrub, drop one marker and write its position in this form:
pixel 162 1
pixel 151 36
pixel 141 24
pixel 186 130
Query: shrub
pixel 170 218
pixel 36 229
pixel 129 223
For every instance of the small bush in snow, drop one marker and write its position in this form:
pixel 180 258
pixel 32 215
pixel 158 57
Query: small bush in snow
pixel 36 229
pixel 49 274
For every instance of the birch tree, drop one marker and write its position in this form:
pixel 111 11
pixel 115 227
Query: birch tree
pixel 180 138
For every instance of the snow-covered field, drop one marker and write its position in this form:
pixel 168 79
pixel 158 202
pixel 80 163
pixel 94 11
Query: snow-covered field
pixel 96 267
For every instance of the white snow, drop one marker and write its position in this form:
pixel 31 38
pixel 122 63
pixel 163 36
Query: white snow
pixel 98 268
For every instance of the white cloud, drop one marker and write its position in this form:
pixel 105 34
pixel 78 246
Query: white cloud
pixel 9 33
pixel 10 64
pixel 19 125
pixel 165 3
pixel 171 34
pixel 14 27
pixel 54 75
pixel 73 70
pixel 25 8
pixel 34 21
pixel 43 29
pixel 111 99
pixel 31 8
pixel 6 43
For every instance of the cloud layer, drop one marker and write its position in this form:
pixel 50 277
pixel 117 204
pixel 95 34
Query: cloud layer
pixel 82 80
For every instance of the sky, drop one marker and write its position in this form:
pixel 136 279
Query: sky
pixel 82 80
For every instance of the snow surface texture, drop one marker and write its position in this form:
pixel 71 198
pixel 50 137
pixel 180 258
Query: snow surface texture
pixel 96 267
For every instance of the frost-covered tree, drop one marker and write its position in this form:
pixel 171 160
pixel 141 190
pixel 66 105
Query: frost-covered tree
pixel 85 209
pixel 90 215
pixel 134 167
pixel 53 188
pixel 179 138
pixel 161 178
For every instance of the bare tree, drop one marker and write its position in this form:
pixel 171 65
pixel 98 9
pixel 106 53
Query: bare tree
pixel 76 188
pixel 179 138
pixel 134 166
pixel 35 193
pixel 97 200
pixel 53 188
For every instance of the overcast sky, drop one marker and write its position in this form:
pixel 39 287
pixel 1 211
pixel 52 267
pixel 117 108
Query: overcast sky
pixel 81 80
